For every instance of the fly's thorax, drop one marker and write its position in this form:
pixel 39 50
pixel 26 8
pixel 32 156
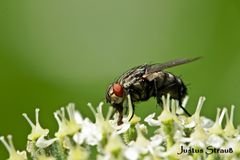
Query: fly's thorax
pixel 156 75
pixel 141 90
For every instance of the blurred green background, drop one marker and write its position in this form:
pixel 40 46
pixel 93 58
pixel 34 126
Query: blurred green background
pixel 56 52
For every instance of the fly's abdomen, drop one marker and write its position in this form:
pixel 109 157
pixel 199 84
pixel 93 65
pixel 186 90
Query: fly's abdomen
pixel 170 84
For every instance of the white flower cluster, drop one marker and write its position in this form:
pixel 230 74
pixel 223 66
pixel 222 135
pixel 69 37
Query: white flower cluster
pixel 175 136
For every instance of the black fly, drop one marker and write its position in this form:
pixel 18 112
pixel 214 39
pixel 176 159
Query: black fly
pixel 145 81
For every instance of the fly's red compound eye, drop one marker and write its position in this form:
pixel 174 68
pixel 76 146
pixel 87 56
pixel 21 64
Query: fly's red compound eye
pixel 118 89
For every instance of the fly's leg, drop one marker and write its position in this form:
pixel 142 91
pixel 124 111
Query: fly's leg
pixel 185 111
pixel 159 101
pixel 119 122
pixel 132 114
pixel 119 108
pixel 158 96
pixel 180 101
pixel 131 108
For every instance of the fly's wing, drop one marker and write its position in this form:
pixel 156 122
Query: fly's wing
pixel 159 67
pixel 153 70
pixel 132 75
pixel 149 72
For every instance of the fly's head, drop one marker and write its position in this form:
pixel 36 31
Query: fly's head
pixel 115 94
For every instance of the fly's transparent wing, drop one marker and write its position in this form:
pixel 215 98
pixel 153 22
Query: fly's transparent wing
pixel 159 67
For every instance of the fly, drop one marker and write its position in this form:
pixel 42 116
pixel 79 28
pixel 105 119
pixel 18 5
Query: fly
pixel 146 81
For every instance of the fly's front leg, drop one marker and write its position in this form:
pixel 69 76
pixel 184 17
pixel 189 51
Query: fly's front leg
pixel 120 117
pixel 119 108
pixel 131 108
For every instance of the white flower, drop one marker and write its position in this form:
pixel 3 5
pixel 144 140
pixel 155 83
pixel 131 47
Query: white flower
pixel 235 145
pixel 131 153
pixel 190 124
pixel 37 130
pixel 195 118
pixel 198 137
pixel 229 129
pixel 215 141
pixel 143 128
pixel 138 147
pixel 101 122
pixel 77 117
pixel 166 116
pixel 114 146
pixel 77 136
pixel 67 126
pixel 141 142
pixel 106 156
pixel 119 129
pixel 178 135
pixel 152 122
pixel 43 157
pixel 77 153
pixel 217 126
pixel 206 122
pixel 43 143
pixel 13 154
pixel 172 152
pixel 156 140
pixel 90 133
pixel 238 137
